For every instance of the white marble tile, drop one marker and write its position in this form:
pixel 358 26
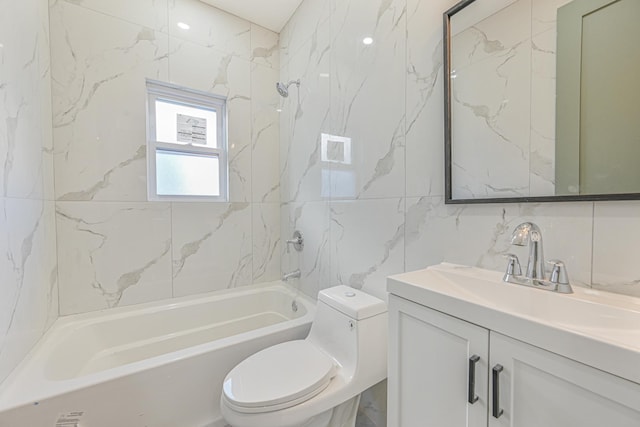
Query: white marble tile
pixel 28 290
pixel 425 93
pixel 616 233
pixel 306 23
pixel 150 13
pixel 112 254
pixel 304 117
pixel 367 243
pixel 210 27
pixel 21 91
pixel 426 223
pixel 566 229
pixel 219 73
pixel 228 75
pixel 373 406
pixel 480 235
pixel 491 126
pixel 495 35
pixel 368 93
pixel 212 246
pixel 264 47
pixel 28 275
pixel 491 90
pixel 265 138
pixel 543 114
pixel 312 219
pixel 23 159
pixel 49 263
pixel 544 14
pixel 266 242
pixel 44 61
pixel 98 71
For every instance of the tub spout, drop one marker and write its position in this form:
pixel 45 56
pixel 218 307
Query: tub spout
pixel 293 275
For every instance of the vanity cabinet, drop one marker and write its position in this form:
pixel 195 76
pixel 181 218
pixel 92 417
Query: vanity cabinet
pixel 539 388
pixel 430 358
pixel 445 371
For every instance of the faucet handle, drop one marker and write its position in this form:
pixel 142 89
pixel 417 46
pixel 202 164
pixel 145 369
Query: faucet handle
pixel 297 241
pixel 513 266
pixel 558 272
pixel 559 276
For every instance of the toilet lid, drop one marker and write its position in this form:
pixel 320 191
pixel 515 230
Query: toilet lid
pixel 283 375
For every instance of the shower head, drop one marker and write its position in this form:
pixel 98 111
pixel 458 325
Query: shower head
pixel 283 89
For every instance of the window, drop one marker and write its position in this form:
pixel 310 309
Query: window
pixel 186 144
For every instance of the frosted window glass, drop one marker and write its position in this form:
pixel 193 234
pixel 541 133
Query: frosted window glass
pixel 186 174
pixel 169 114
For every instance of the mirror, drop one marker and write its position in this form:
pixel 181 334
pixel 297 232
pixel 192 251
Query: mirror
pixel 541 100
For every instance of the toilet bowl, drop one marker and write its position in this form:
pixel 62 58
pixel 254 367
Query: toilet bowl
pixel 315 382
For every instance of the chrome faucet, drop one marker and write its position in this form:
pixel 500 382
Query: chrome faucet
pixel 293 275
pixel 528 232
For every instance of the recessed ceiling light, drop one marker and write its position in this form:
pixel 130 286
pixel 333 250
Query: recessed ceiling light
pixel 183 25
pixel 367 40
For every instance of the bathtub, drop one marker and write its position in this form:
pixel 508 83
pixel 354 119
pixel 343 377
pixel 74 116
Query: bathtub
pixel 153 365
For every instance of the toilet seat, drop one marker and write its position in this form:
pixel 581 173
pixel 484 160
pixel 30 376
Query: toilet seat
pixel 277 378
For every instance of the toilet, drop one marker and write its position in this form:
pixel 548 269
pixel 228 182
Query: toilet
pixel 315 382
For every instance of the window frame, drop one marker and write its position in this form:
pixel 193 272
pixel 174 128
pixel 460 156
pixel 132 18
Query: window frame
pixel 167 92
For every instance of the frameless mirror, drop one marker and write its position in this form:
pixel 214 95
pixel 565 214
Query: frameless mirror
pixel 541 100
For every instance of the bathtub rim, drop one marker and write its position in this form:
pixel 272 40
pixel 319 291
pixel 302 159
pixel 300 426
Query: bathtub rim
pixel 27 384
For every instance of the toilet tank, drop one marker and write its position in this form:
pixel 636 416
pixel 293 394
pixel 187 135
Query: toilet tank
pixel 353 303
pixel 351 327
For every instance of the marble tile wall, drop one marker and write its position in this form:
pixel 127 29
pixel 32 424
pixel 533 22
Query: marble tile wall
pixel 385 213
pixel 491 108
pixel 389 216
pixel 116 248
pixel 28 276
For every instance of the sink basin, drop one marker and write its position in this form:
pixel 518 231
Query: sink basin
pixel 597 328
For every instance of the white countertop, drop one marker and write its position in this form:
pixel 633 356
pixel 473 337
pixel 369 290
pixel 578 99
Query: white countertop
pixel 599 329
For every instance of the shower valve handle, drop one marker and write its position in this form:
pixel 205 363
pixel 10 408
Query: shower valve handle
pixel 297 241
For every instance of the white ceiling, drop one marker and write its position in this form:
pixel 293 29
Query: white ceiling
pixel 271 14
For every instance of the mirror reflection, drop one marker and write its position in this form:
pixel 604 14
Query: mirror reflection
pixel 512 134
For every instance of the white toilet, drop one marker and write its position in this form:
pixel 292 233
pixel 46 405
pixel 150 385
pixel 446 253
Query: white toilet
pixel 315 382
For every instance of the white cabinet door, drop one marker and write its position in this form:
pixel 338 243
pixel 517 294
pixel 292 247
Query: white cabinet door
pixel 429 364
pixel 538 388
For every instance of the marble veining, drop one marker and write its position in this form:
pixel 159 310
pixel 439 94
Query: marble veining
pixel 359 82
pixel 112 254
pixel 314 262
pixel 340 75
pixel 101 55
pixel 115 248
pixel 210 27
pixel 91 192
pixel 191 248
pixel 201 263
pixel 360 258
pixel 266 242
pixel 28 271
pixel 522 33
pixel 265 47
pixel 18 261
pixel 99 119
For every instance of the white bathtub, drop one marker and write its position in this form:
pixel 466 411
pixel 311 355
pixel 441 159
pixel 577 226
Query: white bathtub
pixel 153 365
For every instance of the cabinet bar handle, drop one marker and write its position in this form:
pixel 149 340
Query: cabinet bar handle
pixel 471 395
pixel 496 411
